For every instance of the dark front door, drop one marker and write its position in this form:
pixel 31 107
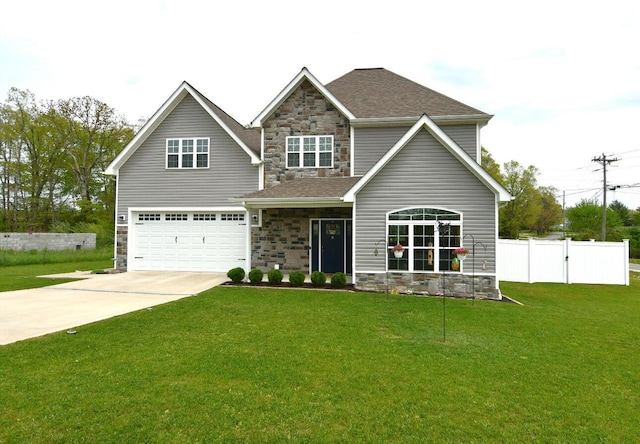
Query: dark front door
pixel 332 246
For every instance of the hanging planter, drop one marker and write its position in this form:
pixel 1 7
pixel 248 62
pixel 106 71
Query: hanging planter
pixel 398 250
pixel 461 252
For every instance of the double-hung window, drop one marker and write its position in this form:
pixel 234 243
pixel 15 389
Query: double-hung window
pixel 428 237
pixel 188 153
pixel 310 152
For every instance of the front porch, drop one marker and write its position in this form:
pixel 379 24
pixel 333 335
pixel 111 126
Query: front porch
pixel 289 238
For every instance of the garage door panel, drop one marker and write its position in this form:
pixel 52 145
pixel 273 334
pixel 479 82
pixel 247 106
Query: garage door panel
pixel 190 242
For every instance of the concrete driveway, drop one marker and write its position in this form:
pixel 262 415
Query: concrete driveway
pixel 39 311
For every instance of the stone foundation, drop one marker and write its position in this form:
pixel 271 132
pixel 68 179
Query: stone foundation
pixel 122 236
pixel 451 284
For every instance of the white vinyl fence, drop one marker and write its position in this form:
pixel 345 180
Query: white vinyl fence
pixel 565 261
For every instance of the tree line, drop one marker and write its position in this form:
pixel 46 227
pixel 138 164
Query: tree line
pixel 52 157
pixel 536 209
pixel 53 154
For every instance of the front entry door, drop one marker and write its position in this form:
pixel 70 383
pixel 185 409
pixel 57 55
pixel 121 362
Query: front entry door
pixel 331 245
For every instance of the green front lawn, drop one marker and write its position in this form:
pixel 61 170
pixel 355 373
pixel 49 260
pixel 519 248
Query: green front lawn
pixel 256 365
pixel 26 276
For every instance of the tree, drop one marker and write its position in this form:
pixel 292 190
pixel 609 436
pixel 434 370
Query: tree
pixel 585 220
pixel 550 210
pixel 523 210
pixel 623 212
pixel 491 166
pixel 51 160
pixel 90 134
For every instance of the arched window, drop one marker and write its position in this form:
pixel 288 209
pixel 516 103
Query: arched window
pixel 426 238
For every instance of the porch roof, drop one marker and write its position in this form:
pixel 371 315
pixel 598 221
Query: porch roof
pixel 307 192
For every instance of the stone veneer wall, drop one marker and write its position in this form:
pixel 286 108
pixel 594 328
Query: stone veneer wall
pixel 305 113
pixel 122 237
pixel 284 238
pixel 47 241
pixel 451 284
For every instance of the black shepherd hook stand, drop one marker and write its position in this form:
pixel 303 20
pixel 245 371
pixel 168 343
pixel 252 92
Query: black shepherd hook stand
pixel 473 264
pixel 444 229
pixel 386 266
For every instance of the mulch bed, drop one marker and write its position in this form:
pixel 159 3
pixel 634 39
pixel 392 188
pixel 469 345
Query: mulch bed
pixel 306 285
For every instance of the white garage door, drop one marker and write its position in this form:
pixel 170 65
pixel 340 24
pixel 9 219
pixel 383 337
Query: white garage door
pixel 200 241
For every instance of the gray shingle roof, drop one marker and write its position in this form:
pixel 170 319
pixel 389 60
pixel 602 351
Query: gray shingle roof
pixel 250 136
pixel 308 187
pixel 379 93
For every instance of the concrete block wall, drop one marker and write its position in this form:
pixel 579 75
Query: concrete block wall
pixel 47 241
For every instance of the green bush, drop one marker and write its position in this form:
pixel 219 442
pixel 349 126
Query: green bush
pixel 296 278
pixel 338 280
pixel 318 278
pixel 236 275
pixel 255 276
pixel 275 277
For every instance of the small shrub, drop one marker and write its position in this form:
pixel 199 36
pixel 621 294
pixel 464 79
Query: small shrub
pixel 296 278
pixel 236 275
pixel 318 278
pixel 275 277
pixel 255 276
pixel 338 280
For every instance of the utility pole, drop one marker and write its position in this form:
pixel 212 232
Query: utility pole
pixel 604 161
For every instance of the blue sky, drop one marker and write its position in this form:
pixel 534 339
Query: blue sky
pixel 561 78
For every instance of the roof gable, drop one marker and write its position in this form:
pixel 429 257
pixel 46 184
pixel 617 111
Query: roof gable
pixel 303 75
pixel 425 123
pixel 379 93
pixel 247 139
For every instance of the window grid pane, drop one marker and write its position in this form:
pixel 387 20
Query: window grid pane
pixel 293 150
pixel 293 160
pixel 428 243
pixel 325 159
pixel 310 144
pixel 309 159
pixel 187 146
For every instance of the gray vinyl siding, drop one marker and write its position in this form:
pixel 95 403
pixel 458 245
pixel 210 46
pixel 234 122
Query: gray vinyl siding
pixel 371 144
pixel 145 182
pixel 424 174
pixel 465 136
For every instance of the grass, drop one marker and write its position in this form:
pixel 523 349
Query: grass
pixel 25 276
pixel 10 258
pixel 238 364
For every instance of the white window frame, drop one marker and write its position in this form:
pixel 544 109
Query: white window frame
pixel 410 248
pixel 316 145
pixel 187 147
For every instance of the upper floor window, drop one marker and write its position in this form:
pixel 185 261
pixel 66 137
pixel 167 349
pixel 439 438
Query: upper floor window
pixel 428 237
pixel 187 153
pixel 310 152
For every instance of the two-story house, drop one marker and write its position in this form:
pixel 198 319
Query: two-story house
pixel 327 177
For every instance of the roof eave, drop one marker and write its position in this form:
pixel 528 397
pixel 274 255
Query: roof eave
pixel 363 122
pixel 294 202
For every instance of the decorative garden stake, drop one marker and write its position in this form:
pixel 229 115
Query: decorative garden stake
pixel 473 265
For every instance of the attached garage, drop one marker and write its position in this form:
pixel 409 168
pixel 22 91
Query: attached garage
pixel 187 240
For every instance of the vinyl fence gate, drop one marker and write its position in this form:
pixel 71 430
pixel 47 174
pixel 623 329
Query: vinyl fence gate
pixel 563 261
